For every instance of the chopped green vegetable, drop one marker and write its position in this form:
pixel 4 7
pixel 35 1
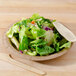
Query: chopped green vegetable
pixel 66 45
pixel 37 32
pixel 36 41
pixel 34 53
pixel 56 44
pixel 57 47
pixel 63 41
pixel 37 36
pixel 35 16
pixel 23 39
pixel 39 42
pixel 46 50
pixel 49 37
pixel 15 42
pixel 23 43
pixel 12 30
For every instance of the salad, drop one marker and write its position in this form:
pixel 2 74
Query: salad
pixel 36 36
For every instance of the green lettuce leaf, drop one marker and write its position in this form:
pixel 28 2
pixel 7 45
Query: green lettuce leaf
pixel 46 50
pixel 23 22
pixel 39 42
pixel 23 39
pixel 46 24
pixel 28 33
pixel 40 22
pixel 66 45
pixel 23 43
pixel 35 16
pixel 12 30
pixel 57 47
pixel 15 42
pixel 49 37
pixel 63 41
pixel 32 53
pixel 55 43
pixel 37 32
pixel 36 41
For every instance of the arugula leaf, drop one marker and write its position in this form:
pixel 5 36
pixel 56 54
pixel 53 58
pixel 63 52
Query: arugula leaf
pixel 44 50
pixel 66 45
